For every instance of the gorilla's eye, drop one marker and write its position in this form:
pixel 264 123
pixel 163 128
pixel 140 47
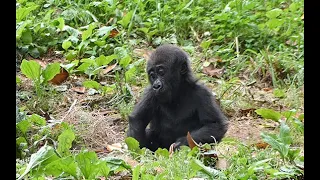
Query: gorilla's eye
pixel 152 75
pixel 160 71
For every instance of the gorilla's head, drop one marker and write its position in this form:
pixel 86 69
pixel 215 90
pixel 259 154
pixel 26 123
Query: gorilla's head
pixel 169 70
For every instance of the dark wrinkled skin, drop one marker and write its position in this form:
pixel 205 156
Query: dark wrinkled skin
pixel 175 103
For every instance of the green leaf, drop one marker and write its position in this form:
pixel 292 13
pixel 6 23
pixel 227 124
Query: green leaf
pixel 162 152
pixel 61 23
pixel 66 45
pixel 63 165
pixel 136 173
pixel 274 13
pixel 23 126
pixel 116 164
pixel 104 169
pixel 274 23
pixel 275 144
pixel 284 135
pixel 126 19
pixel 22 28
pixel 289 114
pixel 130 73
pixel 294 7
pixel 21 140
pixel 105 30
pixel 87 33
pixel 50 71
pixel 31 69
pixel 23 12
pixel 87 162
pixel 268 114
pixel 84 66
pixel 37 120
pixel 133 144
pixel 101 60
pixel 91 84
pixel 71 55
pixel 124 62
pixel 65 142
pixel 18 80
pixel 198 165
pixel 44 155
pixel 205 44
pixel 26 37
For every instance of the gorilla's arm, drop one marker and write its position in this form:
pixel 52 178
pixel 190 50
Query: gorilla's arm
pixel 140 118
pixel 214 122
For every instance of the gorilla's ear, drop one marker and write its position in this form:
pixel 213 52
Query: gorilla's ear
pixel 184 68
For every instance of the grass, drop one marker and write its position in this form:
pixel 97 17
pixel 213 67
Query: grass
pixel 260 45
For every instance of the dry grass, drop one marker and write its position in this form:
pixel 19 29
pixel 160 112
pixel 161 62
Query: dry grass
pixel 96 128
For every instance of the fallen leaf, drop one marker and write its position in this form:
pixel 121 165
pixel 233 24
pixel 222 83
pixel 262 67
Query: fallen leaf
pixel 222 164
pixel 191 142
pixel 79 89
pixel 267 89
pixel 109 68
pixel 60 78
pixel 113 33
pixel 145 53
pixel 132 162
pixel 261 145
pixel 112 147
pixel 211 71
pixel 302 17
pixel 159 169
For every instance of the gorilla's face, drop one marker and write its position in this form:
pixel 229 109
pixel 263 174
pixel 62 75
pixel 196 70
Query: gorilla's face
pixel 167 68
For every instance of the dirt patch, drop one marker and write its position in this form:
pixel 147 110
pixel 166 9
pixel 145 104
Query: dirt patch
pixel 248 129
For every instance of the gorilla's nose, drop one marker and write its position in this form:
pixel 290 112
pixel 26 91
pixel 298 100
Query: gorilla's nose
pixel 157 85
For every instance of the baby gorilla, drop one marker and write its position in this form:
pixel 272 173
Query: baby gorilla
pixel 174 104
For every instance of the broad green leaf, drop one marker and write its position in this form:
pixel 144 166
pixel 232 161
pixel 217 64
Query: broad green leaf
pixel 268 114
pixel 65 142
pixel 274 13
pixel 121 52
pixel 162 152
pixel 23 12
pixel 37 120
pixel 31 69
pixel 61 23
pixel 144 30
pixel 130 73
pixel 23 126
pixel 136 173
pixel 301 117
pixel 26 37
pixel 63 165
pixel 71 55
pixel 104 169
pixel 294 7
pixel 45 153
pixel 198 165
pixel 275 144
pixel 293 154
pixel 91 84
pixel 126 19
pixel 101 60
pixel 289 114
pixel 105 30
pixel 22 28
pixel 21 140
pixel 50 71
pixel 18 80
pixel 124 62
pixel 66 45
pixel 205 44
pixel 284 135
pixel 133 144
pixel 274 23
pixel 34 52
pixel 84 66
pixel 116 164
pixel 87 162
pixel 87 33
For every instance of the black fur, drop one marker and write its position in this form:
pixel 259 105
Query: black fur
pixel 174 104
